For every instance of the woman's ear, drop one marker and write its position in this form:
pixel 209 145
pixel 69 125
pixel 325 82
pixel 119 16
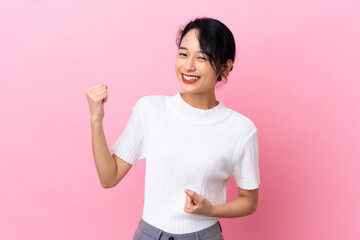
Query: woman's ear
pixel 226 68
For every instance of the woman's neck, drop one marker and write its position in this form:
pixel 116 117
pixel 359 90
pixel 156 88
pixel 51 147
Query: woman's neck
pixel 200 101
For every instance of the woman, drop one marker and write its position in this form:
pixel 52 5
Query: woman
pixel 192 143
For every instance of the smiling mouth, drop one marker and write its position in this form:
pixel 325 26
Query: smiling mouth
pixel 190 77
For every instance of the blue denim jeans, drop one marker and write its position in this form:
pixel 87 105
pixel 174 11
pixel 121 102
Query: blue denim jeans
pixel 145 231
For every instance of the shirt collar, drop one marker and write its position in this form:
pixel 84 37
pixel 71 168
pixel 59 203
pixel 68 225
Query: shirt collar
pixel 202 116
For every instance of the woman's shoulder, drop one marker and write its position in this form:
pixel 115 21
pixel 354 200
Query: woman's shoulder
pixel 242 122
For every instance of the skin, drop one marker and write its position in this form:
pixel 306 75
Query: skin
pixel 201 94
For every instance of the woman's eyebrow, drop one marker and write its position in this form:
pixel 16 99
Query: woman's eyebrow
pixel 187 49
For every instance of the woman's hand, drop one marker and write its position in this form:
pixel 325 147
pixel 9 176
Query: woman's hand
pixel 195 203
pixel 96 97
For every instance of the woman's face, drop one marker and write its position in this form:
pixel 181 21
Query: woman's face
pixel 192 63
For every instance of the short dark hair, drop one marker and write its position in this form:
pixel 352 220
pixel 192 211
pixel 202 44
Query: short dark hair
pixel 215 39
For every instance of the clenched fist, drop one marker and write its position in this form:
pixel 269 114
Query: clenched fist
pixel 96 97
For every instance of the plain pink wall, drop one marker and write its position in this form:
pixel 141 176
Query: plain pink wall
pixel 296 76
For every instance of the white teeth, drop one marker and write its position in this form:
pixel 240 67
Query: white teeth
pixel 191 78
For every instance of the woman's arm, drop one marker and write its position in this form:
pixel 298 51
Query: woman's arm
pixel 244 205
pixel 105 163
pixel 111 169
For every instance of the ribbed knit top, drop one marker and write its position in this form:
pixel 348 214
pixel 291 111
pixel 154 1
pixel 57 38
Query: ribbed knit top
pixel 197 115
pixel 187 147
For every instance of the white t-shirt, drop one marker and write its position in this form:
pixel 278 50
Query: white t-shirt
pixel 187 147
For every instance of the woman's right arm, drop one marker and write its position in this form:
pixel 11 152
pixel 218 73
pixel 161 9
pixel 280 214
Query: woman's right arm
pixel 110 168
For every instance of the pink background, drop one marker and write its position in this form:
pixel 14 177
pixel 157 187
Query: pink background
pixel 296 76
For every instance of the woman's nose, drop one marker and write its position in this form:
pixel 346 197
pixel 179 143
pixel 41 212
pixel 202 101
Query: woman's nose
pixel 190 65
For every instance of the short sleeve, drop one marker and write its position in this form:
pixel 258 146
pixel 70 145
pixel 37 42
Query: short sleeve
pixel 130 145
pixel 246 169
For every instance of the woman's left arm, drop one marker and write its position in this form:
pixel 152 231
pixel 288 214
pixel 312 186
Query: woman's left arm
pixel 244 205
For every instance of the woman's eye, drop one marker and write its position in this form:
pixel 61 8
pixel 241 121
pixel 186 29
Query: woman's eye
pixel 184 54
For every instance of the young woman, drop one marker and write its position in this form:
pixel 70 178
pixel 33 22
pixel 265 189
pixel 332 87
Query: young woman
pixel 191 141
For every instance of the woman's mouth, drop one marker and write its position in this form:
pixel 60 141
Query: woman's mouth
pixel 189 79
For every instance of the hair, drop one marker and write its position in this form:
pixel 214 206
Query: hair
pixel 215 40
